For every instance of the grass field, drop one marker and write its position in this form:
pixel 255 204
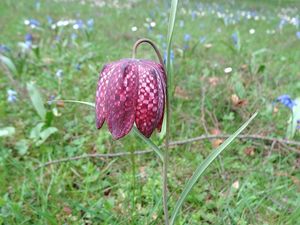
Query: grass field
pixel 231 59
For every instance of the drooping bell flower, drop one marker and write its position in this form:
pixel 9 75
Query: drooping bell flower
pixel 131 91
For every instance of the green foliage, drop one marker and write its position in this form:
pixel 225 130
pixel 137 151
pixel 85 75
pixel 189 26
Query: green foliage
pixel 7 131
pixel 36 100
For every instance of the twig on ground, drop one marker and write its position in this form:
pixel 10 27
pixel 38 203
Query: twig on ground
pixel 175 143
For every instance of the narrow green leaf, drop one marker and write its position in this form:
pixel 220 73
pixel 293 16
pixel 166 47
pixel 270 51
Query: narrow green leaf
pixel 22 146
pixel 36 99
pixel 203 166
pixel 171 24
pixel 149 142
pixel 45 134
pixel 173 11
pixel 9 64
pixel 7 131
pixel 35 131
pixel 80 102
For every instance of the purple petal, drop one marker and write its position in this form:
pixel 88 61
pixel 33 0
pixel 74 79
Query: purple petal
pixel 161 77
pixel 148 100
pixel 121 97
pixel 101 91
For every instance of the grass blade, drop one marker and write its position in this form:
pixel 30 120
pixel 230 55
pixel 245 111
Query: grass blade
pixel 169 39
pixel 149 142
pixel 203 166
pixel 80 102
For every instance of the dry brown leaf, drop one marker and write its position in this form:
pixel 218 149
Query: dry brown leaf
pixel 60 104
pixel 249 151
pixel 216 143
pixel 215 131
pixel 237 102
pixel 67 210
pixel 181 93
pixel 143 173
pixel 236 184
pixel 213 81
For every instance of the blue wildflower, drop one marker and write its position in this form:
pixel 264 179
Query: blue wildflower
pixel 50 20
pixel 286 101
pixel 73 36
pixel 78 66
pixel 51 99
pixel 235 38
pixel 160 37
pixel 11 96
pixel 194 15
pixel 4 48
pixel 90 23
pixel 281 23
pixel 202 39
pixel 298 34
pixel 32 23
pixel 298 124
pixel 28 38
pixel 28 41
pixel 37 5
pixel 181 23
pixel 78 24
pixel 187 37
pixel 172 56
pixel 59 73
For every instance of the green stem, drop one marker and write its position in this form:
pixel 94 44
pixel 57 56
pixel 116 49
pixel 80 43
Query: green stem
pixel 133 169
pixel 145 40
pixel 164 156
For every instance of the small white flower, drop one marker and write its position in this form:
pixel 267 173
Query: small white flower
pixel 59 73
pixel 251 31
pixel 134 29
pixel 228 70
pixel 153 24
pixel 26 22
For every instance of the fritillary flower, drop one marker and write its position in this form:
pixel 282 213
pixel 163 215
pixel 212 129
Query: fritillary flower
pixel 131 91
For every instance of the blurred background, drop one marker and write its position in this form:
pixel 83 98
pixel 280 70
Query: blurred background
pixel 229 58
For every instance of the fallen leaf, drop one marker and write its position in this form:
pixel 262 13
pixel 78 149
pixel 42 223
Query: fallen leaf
pixel 143 173
pixel 236 184
pixel 215 131
pixel 181 93
pixel 234 99
pixel 60 103
pixel 216 143
pixel 209 45
pixel 213 81
pixel 67 210
pixel 237 102
pixel 249 151
pixel 244 67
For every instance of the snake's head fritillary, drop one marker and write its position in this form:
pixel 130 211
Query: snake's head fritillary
pixel 131 91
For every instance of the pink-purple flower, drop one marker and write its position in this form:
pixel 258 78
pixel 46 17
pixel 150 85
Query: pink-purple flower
pixel 131 91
